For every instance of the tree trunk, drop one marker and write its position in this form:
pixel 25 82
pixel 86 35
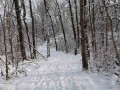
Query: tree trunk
pixel 26 26
pixel 112 34
pixel 53 31
pixel 48 32
pixel 73 26
pixel 77 20
pixel 10 39
pixel 5 46
pixel 93 27
pixel 33 30
pixel 63 30
pixel 20 29
pixel 83 38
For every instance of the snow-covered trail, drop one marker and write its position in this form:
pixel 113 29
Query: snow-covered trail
pixel 60 72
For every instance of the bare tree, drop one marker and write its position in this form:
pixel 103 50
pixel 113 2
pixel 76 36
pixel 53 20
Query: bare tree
pixel 20 28
pixel 63 29
pixel 83 36
pixel 33 30
pixel 73 26
pixel 77 21
pixel 26 26
pixel 112 34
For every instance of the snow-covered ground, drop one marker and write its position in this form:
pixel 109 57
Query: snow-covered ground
pixel 60 72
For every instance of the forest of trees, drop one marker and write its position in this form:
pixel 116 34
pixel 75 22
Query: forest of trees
pixel 87 27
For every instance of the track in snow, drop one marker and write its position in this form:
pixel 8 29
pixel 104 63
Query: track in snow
pixel 60 72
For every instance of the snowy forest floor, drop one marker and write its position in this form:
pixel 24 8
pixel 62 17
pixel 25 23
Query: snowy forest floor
pixel 60 72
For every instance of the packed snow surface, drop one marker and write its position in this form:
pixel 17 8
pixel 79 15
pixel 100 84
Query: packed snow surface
pixel 60 72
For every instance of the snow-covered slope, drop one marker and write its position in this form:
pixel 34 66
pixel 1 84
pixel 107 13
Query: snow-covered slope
pixel 60 72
